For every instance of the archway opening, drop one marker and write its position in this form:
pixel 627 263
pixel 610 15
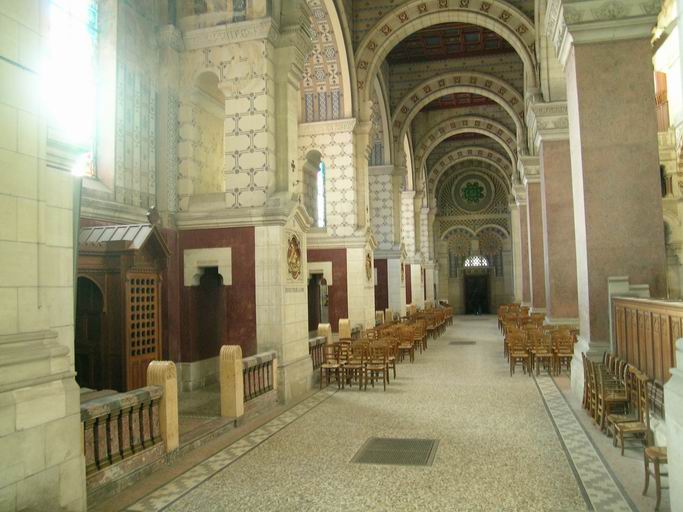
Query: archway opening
pixel 90 357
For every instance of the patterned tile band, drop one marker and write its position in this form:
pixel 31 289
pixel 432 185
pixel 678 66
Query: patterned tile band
pixel 600 489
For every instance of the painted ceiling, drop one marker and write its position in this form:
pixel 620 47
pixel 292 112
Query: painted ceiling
pixel 448 41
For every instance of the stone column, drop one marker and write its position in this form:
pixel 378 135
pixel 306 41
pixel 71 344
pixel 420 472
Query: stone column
pixel 516 235
pixel 607 59
pixel 532 183
pixel 408 221
pixel 552 144
pixel 430 279
pixel 520 197
pixel 444 271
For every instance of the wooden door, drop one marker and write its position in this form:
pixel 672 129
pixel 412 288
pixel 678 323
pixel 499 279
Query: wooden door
pixel 314 303
pixel 143 326
pixel 477 294
pixel 89 343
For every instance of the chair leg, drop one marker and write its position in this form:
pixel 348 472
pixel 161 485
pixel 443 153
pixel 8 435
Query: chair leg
pixel 647 474
pixel 657 485
pixel 621 439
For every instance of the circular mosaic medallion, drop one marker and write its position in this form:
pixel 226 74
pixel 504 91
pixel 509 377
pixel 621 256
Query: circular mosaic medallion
pixel 473 192
pixel 294 257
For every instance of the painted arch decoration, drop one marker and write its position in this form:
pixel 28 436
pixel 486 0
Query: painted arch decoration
pixel 478 83
pixel 465 124
pixel 493 158
pixel 496 15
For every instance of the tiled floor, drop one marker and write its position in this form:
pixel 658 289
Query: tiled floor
pixel 498 449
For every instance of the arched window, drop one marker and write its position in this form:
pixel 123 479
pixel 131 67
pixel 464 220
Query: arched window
pixel 476 262
pixel 320 196
pixel 69 87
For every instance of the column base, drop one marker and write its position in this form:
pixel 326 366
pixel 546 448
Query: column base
pixel 295 379
pixel 594 351
pixel 573 322
pixel 537 310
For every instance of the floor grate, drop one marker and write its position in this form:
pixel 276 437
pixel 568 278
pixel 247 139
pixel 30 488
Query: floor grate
pixel 463 343
pixel 400 452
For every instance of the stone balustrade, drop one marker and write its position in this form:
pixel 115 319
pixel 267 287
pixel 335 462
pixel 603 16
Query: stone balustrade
pixel 259 374
pixel 315 349
pixel 116 427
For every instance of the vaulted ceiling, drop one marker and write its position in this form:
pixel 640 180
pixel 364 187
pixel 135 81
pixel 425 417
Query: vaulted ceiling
pixel 459 100
pixel 448 41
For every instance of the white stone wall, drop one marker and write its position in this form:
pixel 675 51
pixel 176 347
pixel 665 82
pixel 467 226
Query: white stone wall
pixel 408 221
pixel 42 464
pixel 382 207
pixel 397 286
pixel 334 141
pixel 417 285
pixel 360 289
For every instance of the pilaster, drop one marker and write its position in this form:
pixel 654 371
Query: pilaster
pixel 529 171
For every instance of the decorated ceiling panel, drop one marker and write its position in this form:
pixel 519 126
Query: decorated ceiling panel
pixel 448 41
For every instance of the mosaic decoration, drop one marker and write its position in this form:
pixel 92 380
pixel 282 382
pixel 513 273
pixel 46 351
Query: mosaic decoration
pixel 321 90
pixel 472 192
pixel 460 242
pixel 294 257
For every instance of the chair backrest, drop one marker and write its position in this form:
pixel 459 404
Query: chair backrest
pixel 331 353
pixel 344 329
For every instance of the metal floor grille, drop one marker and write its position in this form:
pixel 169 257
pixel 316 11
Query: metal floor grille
pixel 400 452
pixel 463 343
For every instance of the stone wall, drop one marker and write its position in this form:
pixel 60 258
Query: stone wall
pixel 40 447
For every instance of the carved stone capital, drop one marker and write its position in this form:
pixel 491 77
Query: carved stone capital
pixel 571 22
pixel 529 168
pixel 320 127
pixel 169 36
pixel 547 122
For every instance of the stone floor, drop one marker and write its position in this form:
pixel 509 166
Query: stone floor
pixel 504 444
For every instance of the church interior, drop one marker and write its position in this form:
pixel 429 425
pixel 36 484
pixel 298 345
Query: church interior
pixel 341 254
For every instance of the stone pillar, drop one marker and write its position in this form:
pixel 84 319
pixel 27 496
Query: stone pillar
pixel 326 331
pixel 397 286
pixel 607 58
pixel 673 398
pixel 444 271
pixel 559 247
pixel 41 440
pixel 231 381
pixel 430 274
pixel 516 236
pixel 163 373
pixel 532 183
pixel 360 284
pixel 520 198
pixel 408 221
pixel 417 285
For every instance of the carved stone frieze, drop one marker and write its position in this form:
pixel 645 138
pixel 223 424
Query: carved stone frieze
pixel 231 33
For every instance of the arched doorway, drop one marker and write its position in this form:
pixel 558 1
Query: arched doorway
pixel 210 314
pixel 477 286
pixel 318 301
pixel 89 342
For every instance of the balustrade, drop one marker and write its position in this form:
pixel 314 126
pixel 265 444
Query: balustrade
pixel 119 426
pixel 315 349
pixel 258 374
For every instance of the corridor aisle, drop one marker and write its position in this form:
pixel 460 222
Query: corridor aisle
pixel 498 448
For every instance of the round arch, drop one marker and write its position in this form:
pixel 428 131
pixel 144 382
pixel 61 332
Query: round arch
pixel 457 227
pixel 496 15
pixel 456 156
pixel 444 175
pixel 501 230
pixel 464 124
pixel 454 82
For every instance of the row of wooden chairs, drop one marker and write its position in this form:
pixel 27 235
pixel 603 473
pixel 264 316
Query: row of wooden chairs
pixel 616 397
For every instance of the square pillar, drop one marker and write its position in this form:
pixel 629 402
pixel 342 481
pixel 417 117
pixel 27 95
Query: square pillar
pixel 520 197
pixel 614 153
pixel 535 241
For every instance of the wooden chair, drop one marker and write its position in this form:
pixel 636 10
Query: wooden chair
pixel 656 455
pixel 609 396
pixel 420 334
pixel 640 427
pixel 517 352
pixel 563 350
pixel 540 351
pixel 630 412
pixel 377 365
pixel 355 366
pixel 330 365
pixel 406 342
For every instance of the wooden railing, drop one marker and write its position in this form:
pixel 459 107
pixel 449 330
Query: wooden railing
pixel 315 349
pixel 258 374
pixel 119 426
pixel 645 332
